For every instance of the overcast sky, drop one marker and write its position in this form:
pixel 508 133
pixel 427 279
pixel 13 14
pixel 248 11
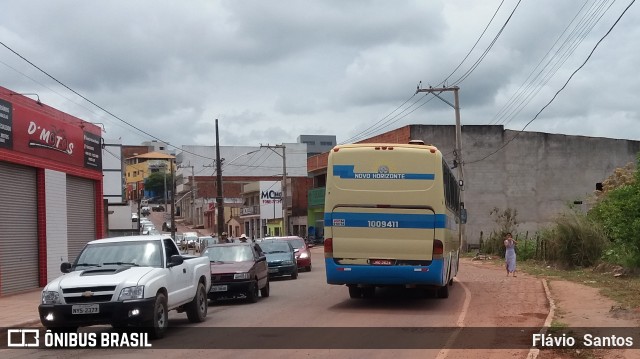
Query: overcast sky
pixel 273 70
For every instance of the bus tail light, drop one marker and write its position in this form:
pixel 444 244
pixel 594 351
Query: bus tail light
pixel 328 248
pixel 438 249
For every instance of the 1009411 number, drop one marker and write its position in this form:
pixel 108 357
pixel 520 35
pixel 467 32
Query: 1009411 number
pixel 383 224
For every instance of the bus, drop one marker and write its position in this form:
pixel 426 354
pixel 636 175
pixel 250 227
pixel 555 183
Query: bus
pixel 392 218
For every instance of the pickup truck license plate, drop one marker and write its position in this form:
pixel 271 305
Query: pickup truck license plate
pixel 85 309
pixel 218 288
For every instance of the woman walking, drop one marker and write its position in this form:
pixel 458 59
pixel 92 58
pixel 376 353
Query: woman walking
pixel 510 254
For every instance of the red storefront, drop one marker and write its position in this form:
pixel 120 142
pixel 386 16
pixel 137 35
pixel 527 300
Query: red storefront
pixel 51 201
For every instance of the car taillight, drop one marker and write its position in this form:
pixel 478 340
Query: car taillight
pixel 328 248
pixel 438 249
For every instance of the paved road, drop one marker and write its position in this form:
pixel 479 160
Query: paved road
pixel 481 297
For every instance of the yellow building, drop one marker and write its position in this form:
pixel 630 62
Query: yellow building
pixel 139 167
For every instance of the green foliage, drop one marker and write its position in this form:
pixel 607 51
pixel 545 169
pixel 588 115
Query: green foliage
pixel 618 212
pixel 574 241
pixel 155 182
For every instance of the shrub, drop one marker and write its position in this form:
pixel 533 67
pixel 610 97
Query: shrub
pixel 574 241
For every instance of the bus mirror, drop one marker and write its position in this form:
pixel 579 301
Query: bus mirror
pixel 463 215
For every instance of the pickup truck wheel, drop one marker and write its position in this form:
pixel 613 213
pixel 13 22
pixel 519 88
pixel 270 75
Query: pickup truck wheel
pixel 308 268
pixel 252 295
pixel 158 325
pixel 264 292
pixel 197 308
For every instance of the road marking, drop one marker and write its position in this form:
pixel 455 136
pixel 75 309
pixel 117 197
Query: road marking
pixel 459 323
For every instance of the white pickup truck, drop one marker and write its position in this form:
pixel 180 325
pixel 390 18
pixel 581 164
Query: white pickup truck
pixel 127 281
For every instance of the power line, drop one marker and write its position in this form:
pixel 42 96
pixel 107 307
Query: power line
pixel 562 88
pixel 443 82
pixel 96 105
pixel 568 47
pixel 484 54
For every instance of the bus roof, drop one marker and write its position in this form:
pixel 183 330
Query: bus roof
pixel 387 145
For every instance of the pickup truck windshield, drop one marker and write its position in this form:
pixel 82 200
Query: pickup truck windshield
pixel 230 254
pixel 145 253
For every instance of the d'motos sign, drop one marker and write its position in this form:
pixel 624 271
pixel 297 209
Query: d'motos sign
pixel 49 134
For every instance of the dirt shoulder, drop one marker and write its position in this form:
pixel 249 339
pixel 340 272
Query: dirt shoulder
pixel 576 305
pixel 581 306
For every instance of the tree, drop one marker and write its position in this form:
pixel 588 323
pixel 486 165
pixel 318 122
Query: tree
pixel 155 182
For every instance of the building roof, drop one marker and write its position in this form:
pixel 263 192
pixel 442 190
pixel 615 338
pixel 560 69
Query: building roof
pixel 155 156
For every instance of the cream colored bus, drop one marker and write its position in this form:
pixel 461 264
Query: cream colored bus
pixel 392 218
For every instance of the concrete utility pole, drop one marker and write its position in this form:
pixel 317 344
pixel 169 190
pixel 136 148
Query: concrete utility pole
pixel 458 147
pixel 285 219
pixel 193 196
pixel 219 198
pixel 173 200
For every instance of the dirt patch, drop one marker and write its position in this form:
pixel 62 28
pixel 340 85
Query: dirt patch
pixel 581 306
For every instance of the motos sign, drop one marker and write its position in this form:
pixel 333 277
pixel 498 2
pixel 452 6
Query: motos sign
pixel 270 199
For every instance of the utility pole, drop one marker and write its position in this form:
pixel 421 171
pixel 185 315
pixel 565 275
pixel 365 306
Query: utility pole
pixel 219 198
pixel 458 146
pixel 193 196
pixel 285 219
pixel 173 200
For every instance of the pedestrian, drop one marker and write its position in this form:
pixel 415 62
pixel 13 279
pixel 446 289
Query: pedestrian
pixel 510 254
pixel 243 238
pixel 224 238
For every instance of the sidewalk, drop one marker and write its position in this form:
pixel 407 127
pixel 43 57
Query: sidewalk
pixel 20 310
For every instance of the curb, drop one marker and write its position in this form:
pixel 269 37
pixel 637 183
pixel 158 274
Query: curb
pixel 534 352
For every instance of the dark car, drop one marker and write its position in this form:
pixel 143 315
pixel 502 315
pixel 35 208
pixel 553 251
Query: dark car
pixel 301 248
pixel 157 208
pixel 280 257
pixel 237 268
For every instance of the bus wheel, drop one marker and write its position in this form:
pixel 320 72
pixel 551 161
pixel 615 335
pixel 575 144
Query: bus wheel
pixel 443 292
pixel 355 291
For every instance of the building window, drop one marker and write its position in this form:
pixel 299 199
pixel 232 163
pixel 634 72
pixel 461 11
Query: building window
pixel 326 143
pixel 311 143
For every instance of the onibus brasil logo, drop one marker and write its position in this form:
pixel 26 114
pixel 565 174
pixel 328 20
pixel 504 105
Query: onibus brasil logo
pixel 31 338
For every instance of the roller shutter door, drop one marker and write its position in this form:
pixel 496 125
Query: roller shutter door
pixel 81 214
pixel 18 229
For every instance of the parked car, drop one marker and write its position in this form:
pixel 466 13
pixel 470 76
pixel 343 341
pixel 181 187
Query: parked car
pixel 281 257
pixel 301 249
pixel 207 240
pixel 157 208
pixel 145 211
pixel 147 228
pixel 237 269
pixel 190 239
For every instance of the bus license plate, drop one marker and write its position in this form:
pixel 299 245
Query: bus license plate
pixel 85 309
pixel 219 288
pixel 381 262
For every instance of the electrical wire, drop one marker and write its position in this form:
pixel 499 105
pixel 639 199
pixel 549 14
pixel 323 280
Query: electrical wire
pixel 95 104
pixel 561 89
